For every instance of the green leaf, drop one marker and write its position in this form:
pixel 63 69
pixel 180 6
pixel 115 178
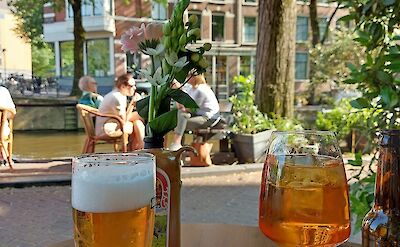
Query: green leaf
pixel 182 98
pixel 347 17
pixel 357 159
pixel 142 107
pixel 389 97
pixel 360 103
pixel 384 77
pixel 164 123
pixel 352 67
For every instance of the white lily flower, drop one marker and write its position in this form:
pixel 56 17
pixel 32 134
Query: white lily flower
pixel 181 62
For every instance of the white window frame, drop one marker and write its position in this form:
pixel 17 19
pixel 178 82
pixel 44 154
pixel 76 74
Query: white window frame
pixel 244 33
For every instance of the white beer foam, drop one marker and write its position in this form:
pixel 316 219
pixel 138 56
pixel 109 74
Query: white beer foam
pixel 113 188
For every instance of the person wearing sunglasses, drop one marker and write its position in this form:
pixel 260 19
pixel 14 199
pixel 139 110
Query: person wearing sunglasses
pixel 116 103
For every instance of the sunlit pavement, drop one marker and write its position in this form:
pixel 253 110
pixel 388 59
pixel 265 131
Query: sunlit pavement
pixel 39 216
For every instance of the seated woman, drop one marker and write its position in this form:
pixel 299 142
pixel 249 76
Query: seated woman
pixel 89 96
pixel 207 112
pixel 115 102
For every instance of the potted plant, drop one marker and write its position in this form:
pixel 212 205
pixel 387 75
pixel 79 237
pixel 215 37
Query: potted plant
pixel 251 127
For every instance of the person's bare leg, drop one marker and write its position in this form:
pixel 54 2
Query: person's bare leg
pixel 138 130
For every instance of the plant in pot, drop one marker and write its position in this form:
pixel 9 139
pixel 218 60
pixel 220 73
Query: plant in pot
pixel 251 127
pixel 171 59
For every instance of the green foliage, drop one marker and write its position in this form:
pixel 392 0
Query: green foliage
pixel 342 119
pixel 329 63
pixel 29 16
pixel 43 61
pixel 361 198
pixel 248 119
pixel 171 61
pixel 377 78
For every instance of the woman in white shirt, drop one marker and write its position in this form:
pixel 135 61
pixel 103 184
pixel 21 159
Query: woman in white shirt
pixel 115 102
pixel 208 109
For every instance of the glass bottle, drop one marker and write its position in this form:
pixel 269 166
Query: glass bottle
pixel 168 192
pixel 381 226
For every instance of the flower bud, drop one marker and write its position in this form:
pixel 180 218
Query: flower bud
pixel 167 28
pixel 193 19
pixel 203 63
pixel 195 57
pixel 167 42
pixel 182 40
pixel 166 67
pixel 195 32
pixel 207 46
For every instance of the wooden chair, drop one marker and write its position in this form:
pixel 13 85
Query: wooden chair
pixel 88 115
pixel 6 141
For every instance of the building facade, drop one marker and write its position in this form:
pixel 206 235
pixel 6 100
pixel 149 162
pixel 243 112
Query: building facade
pixel 230 25
pixel 15 53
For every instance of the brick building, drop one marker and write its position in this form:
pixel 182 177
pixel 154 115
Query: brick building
pixel 230 25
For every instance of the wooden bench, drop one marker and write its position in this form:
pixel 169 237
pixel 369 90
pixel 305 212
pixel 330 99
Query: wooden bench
pixel 219 130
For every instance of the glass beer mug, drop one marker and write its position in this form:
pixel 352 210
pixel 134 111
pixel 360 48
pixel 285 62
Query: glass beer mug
pixel 304 195
pixel 112 198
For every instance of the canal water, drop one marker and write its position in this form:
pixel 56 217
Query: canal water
pixel 51 145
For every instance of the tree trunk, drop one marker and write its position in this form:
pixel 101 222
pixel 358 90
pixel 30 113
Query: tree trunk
pixel 79 36
pixel 314 23
pixel 275 57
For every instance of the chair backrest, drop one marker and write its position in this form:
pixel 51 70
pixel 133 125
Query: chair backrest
pixel 87 114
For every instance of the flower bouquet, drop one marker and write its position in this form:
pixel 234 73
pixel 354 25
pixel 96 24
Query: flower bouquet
pixel 171 59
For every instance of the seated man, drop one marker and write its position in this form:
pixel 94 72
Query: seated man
pixel 208 109
pixel 115 102
pixel 89 96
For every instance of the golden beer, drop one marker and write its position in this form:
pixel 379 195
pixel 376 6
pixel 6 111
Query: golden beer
pixel 306 204
pixel 111 200
pixel 128 228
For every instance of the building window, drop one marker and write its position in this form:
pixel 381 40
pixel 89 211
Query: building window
pixel 245 65
pixel 159 11
pixel 67 58
pixel 301 66
pixel 198 24
pixel 98 57
pixel 250 27
pixel 250 1
pixel 302 28
pixel 322 23
pixel 221 81
pixel 218 23
pixel 91 8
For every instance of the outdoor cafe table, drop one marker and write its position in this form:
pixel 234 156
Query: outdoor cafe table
pixel 217 235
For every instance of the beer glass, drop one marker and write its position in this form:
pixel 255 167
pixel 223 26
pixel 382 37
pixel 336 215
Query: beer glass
pixel 112 196
pixel 304 195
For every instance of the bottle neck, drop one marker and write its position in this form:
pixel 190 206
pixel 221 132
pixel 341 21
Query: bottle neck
pixel 387 186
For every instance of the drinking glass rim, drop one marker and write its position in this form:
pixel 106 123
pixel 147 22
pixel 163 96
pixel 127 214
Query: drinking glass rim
pixel 100 156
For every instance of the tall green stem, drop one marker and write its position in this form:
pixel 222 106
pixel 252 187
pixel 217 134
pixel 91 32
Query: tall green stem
pixel 153 92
